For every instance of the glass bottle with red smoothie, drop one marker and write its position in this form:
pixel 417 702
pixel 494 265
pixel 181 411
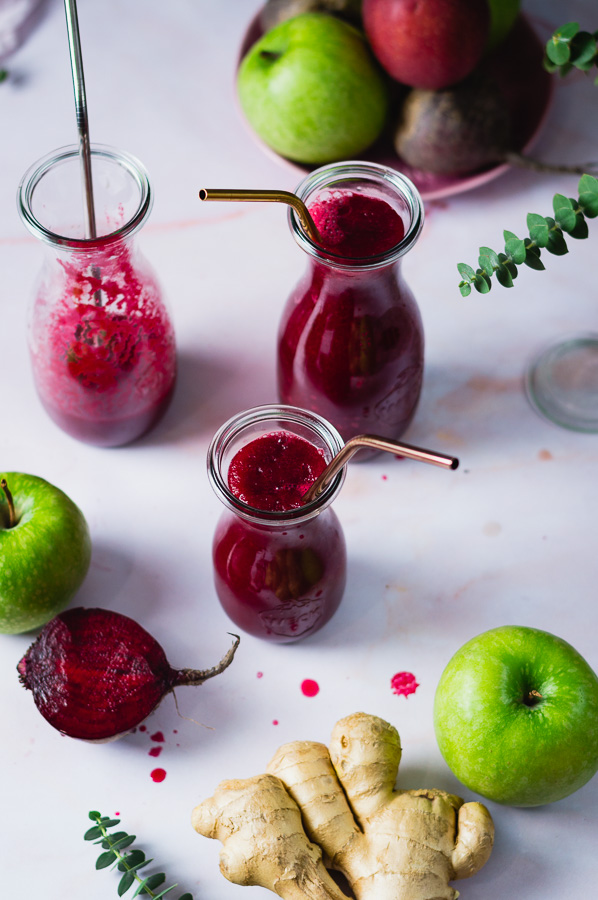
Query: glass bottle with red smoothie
pixel 101 340
pixel 350 342
pixel 279 563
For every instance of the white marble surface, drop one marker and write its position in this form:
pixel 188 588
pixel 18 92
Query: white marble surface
pixel 435 557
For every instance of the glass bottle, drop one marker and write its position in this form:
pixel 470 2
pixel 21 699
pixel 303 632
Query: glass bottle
pixel 350 342
pixel 101 341
pixel 278 575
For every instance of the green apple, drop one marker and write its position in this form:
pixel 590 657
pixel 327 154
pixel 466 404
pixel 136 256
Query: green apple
pixel 45 550
pixel 311 89
pixel 502 18
pixel 516 716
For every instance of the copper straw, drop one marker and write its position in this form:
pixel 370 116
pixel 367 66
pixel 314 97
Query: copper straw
pixel 375 443
pixel 267 197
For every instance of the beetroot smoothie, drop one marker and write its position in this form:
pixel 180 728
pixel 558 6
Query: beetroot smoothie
pixel 101 341
pixel 277 578
pixel 350 342
pixel 102 347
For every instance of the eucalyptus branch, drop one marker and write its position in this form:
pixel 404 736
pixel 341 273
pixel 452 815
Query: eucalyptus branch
pixel 545 233
pixel 128 863
pixel 3 75
pixel 570 48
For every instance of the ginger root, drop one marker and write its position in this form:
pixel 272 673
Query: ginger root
pixel 336 808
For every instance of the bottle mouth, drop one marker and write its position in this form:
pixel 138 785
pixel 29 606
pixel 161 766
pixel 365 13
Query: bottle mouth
pixel 247 426
pixel 51 197
pixel 371 179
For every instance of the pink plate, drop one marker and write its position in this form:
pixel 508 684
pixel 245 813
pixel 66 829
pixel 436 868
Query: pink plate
pixel 527 89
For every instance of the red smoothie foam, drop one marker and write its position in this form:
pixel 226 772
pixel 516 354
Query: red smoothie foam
pixel 275 471
pixel 356 225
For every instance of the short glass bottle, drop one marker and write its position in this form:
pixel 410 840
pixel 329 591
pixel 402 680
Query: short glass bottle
pixel 351 342
pixel 101 340
pixel 278 575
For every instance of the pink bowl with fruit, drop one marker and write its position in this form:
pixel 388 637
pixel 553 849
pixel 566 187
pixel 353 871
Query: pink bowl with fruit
pixel 526 87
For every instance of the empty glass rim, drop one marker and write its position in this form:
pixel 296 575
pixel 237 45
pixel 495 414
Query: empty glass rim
pixel 355 170
pixel 38 169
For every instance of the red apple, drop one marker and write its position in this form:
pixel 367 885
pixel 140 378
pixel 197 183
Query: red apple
pixel 427 43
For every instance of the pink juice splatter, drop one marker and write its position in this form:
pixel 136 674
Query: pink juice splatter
pixel 102 347
pixel 403 684
pixel 158 775
pixel 310 688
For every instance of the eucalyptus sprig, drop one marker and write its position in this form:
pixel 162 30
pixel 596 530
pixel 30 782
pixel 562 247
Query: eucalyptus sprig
pixel 3 75
pixel 569 47
pixel 545 233
pixel 128 863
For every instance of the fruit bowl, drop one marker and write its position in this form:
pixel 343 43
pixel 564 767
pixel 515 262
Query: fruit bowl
pixel 526 87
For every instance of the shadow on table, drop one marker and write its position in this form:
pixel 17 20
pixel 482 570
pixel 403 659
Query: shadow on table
pixel 209 390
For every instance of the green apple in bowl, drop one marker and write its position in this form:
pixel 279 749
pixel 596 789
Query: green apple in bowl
pixel 312 91
pixel 503 14
pixel 45 551
pixel 516 716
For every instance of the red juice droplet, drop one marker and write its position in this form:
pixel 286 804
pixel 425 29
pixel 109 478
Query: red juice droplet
pixel 403 684
pixel 275 721
pixel 310 688
pixel 156 751
pixel 158 774
pixel 260 674
pixel 143 728
pixel 158 737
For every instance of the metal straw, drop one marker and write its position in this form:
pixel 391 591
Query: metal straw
pixel 256 196
pixel 375 443
pixel 72 25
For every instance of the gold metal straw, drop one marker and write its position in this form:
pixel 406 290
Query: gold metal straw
pixel 255 196
pixel 375 443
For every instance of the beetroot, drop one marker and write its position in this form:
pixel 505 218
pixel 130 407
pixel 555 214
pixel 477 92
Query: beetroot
pixel 96 674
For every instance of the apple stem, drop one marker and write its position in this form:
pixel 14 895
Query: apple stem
pixel 532 698
pixel 10 503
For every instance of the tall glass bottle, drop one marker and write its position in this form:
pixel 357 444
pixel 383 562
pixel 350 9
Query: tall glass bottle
pixel 279 575
pixel 351 343
pixel 101 340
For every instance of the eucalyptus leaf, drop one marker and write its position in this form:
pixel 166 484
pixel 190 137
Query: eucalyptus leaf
pixel 482 283
pixel 558 52
pixel 583 50
pixel 515 248
pixel 488 259
pixel 92 834
pixel 538 229
pixel 465 271
pixel 125 882
pixel 566 218
pixel 504 277
pixel 465 289
pixel 532 259
pixel 580 231
pixel 567 32
pixel 105 859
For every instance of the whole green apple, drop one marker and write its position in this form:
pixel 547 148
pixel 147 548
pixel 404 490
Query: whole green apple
pixel 502 18
pixel 311 89
pixel 516 716
pixel 45 550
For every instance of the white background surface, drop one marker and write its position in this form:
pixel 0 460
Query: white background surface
pixel 434 557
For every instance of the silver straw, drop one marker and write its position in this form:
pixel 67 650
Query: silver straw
pixel 72 25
